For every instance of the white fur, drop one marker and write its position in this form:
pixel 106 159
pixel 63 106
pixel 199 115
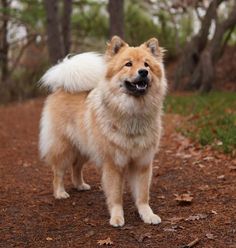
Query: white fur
pixel 120 158
pixel 81 72
pixel 147 214
pixel 138 126
pixel 46 133
pixel 117 216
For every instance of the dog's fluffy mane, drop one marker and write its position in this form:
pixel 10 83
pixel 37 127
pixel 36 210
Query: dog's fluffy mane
pixel 78 73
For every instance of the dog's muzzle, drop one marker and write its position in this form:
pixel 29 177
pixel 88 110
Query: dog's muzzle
pixel 138 87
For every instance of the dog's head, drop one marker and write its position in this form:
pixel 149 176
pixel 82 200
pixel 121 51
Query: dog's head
pixel 135 75
pixel 135 71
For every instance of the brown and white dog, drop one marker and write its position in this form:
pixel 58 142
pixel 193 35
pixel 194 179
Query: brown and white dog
pixel 106 109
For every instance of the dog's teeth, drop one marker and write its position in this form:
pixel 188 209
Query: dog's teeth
pixel 141 87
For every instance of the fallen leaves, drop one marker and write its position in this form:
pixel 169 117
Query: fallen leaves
pixel 184 199
pixel 140 237
pixel 221 177
pixel 204 187
pixel 184 147
pixel 170 229
pixel 196 217
pixel 144 236
pixel 232 168
pixel 208 158
pixel 175 220
pixel 105 241
pixel 213 212
pixel 26 164
pixel 89 222
pixel 173 228
pixel 210 236
pixel 90 234
pixel 175 225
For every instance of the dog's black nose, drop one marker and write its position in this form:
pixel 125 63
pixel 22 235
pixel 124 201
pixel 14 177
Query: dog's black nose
pixel 143 72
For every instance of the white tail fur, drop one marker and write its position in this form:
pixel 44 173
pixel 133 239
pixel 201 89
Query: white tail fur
pixel 81 72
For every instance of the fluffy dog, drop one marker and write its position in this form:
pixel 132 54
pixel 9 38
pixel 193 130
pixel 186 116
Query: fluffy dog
pixel 107 110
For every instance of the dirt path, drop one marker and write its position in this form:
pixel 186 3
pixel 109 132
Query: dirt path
pixel 30 217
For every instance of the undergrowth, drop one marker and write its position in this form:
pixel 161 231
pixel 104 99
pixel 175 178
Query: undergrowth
pixel 210 118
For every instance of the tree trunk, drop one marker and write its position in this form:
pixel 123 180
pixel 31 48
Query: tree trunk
pixel 192 51
pixel 4 46
pixel 116 13
pixel 207 72
pixel 203 76
pixel 54 40
pixel 66 28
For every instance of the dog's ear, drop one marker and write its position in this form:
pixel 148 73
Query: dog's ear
pixel 114 46
pixel 153 46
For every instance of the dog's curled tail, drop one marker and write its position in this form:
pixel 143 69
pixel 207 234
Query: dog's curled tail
pixel 78 73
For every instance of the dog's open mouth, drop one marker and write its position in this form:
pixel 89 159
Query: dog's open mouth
pixel 137 88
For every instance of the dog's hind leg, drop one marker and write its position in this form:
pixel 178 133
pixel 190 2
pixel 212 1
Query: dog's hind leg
pixel 60 157
pixel 77 174
pixel 58 184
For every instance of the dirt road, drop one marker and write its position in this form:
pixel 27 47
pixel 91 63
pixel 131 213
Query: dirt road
pixel 31 217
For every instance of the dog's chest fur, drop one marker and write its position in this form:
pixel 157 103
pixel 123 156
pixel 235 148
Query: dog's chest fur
pixel 129 134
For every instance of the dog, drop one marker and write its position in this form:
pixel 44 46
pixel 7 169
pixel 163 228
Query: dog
pixel 106 109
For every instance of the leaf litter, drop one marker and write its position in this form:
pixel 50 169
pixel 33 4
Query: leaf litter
pixel 106 241
pixel 196 217
pixel 184 199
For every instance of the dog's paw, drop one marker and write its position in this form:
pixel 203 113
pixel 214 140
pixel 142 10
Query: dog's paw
pixel 117 221
pixel 151 219
pixel 147 215
pixel 61 195
pixel 83 186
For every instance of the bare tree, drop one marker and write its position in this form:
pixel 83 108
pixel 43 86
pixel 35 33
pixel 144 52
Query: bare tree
pixel 66 25
pixel 53 31
pixel 203 75
pixel 116 13
pixel 192 52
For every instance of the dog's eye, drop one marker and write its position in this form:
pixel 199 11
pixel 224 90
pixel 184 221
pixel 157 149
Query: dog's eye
pixel 129 64
pixel 146 64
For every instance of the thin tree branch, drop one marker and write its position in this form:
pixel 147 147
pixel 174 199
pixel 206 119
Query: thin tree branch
pixel 22 50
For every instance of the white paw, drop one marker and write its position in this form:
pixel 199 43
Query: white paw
pixel 151 219
pixel 61 195
pixel 83 186
pixel 117 221
pixel 147 215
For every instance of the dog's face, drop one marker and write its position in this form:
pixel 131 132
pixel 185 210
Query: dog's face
pixel 135 72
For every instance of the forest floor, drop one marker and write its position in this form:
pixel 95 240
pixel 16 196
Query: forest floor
pixel 193 190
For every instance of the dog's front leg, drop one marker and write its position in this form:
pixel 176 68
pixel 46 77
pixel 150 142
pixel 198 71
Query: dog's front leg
pixel 113 183
pixel 140 179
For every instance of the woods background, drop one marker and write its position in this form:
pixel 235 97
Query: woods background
pixel 196 35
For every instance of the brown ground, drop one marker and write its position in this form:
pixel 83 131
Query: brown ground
pixel 31 217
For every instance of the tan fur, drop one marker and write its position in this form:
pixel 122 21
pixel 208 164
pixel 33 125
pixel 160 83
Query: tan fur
pixel 118 132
